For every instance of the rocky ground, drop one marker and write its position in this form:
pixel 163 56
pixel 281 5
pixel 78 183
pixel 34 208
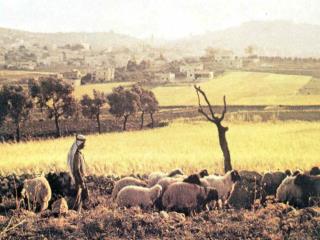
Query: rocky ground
pixel 103 220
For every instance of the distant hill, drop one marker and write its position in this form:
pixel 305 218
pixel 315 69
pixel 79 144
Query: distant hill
pixel 98 40
pixel 271 38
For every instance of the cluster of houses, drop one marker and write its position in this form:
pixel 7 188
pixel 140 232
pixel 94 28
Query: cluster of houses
pixel 74 61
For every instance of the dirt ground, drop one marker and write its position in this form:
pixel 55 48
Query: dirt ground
pixel 103 220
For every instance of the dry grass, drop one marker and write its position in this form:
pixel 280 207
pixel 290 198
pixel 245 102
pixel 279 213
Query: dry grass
pixel 243 88
pixel 189 145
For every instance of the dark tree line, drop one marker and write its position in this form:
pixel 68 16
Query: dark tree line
pixel 55 98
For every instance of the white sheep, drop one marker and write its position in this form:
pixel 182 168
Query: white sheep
pixel 289 192
pixel 127 181
pixel 154 177
pixel 143 197
pixel 223 184
pixel 186 197
pixel 37 190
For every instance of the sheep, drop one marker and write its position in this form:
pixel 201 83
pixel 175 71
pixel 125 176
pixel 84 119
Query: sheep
pixel 270 182
pixel 138 196
pixel 289 192
pixel 37 191
pixel 187 198
pixel 310 186
pixel 127 181
pixel 245 192
pixel 315 171
pixel 296 172
pixel 165 183
pixel 223 184
pixel 193 179
pixel 154 177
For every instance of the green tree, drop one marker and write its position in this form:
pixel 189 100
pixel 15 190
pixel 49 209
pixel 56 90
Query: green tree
pixel 123 103
pixel 16 104
pixel 56 96
pixel 148 103
pixel 91 107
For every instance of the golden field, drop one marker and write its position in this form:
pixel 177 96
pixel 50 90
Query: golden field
pixel 242 88
pixel 185 144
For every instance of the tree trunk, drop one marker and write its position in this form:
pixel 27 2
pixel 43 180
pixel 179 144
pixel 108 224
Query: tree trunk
pixel 98 121
pixel 125 122
pixel 18 134
pixel 56 121
pixel 152 121
pixel 142 119
pixel 224 147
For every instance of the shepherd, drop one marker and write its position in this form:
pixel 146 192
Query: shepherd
pixel 77 171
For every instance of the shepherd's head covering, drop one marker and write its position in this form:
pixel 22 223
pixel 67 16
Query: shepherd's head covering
pixel 79 139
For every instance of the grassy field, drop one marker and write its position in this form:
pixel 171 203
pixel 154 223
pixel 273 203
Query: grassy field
pixel 189 145
pixel 243 88
pixel 103 87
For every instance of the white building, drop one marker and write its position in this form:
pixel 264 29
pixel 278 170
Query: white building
pixel 103 74
pixel 164 77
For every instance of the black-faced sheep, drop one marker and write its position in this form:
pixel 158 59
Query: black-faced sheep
pixel 223 184
pixel 37 191
pixel 310 186
pixel 193 179
pixel 186 197
pixel 289 192
pixel 315 171
pixel 246 191
pixel 127 181
pixel 143 197
pixel 196 177
pixel 154 177
pixel 270 183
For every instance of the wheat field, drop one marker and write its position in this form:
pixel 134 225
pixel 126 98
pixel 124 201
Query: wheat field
pixel 243 88
pixel 185 144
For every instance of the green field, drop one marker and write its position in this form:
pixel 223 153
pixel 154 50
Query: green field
pixel 243 88
pixel 102 87
pixel 188 145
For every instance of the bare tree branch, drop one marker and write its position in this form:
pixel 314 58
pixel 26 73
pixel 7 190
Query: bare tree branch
pixel 224 109
pixel 198 89
pixel 206 115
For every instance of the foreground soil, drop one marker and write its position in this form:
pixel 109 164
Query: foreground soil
pixel 103 220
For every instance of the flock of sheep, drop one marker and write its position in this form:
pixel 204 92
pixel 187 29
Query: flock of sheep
pixel 175 191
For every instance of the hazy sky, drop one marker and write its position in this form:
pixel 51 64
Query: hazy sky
pixel 168 19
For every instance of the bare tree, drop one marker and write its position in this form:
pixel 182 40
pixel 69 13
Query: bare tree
pixel 217 121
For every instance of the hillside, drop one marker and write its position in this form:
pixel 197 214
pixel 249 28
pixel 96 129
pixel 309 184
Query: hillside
pixel 272 38
pixel 98 40
pixel 243 88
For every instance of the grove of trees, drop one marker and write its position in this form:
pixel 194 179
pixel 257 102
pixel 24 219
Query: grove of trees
pixel 55 99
